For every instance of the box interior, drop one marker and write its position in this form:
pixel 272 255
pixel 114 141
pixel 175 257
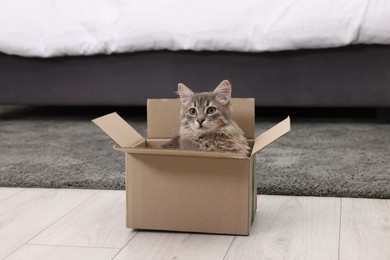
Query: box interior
pixel 156 143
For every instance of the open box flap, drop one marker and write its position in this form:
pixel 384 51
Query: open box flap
pixel 118 130
pixel 271 135
pixel 164 117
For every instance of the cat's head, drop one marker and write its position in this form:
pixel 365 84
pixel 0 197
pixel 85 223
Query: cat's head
pixel 205 112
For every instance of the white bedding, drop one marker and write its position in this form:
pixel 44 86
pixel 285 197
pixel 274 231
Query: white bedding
pixel 47 28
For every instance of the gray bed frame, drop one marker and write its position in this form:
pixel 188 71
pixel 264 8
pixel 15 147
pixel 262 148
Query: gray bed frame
pixel 353 76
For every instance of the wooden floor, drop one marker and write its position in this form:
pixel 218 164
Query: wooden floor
pixel 90 224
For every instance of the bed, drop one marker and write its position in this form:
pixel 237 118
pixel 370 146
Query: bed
pixel 284 53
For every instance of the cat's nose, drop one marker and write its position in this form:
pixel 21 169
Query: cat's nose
pixel 200 120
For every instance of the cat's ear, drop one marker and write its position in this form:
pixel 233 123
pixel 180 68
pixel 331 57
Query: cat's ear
pixel 223 92
pixel 186 94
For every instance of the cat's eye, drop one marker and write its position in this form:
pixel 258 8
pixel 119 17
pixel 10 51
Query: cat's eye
pixel 211 110
pixel 192 111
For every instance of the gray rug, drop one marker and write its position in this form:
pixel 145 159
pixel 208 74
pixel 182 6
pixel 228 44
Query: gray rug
pixel 323 157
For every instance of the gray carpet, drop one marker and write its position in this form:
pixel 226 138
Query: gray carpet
pixel 323 157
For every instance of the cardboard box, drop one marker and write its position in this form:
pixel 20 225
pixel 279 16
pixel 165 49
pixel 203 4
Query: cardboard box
pixel 192 191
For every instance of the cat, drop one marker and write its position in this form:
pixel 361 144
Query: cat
pixel 206 122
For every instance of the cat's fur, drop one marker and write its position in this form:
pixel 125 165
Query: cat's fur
pixel 207 131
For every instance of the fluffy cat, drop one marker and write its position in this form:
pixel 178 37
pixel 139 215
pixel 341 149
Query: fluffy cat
pixel 206 122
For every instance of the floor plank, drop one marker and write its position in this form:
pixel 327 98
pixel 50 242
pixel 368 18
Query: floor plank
pixel 6 193
pixel 39 252
pixel 98 222
pixel 291 228
pixel 29 212
pixel 365 229
pixel 168 245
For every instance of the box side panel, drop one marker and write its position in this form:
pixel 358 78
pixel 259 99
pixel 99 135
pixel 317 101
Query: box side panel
pixel 250 193
pixel 127 163
pixel 244 115
pixel 256 181
pixel 163 118
pixel 188 194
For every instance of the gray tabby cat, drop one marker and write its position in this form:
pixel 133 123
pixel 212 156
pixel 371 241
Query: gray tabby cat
pixel 206 122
